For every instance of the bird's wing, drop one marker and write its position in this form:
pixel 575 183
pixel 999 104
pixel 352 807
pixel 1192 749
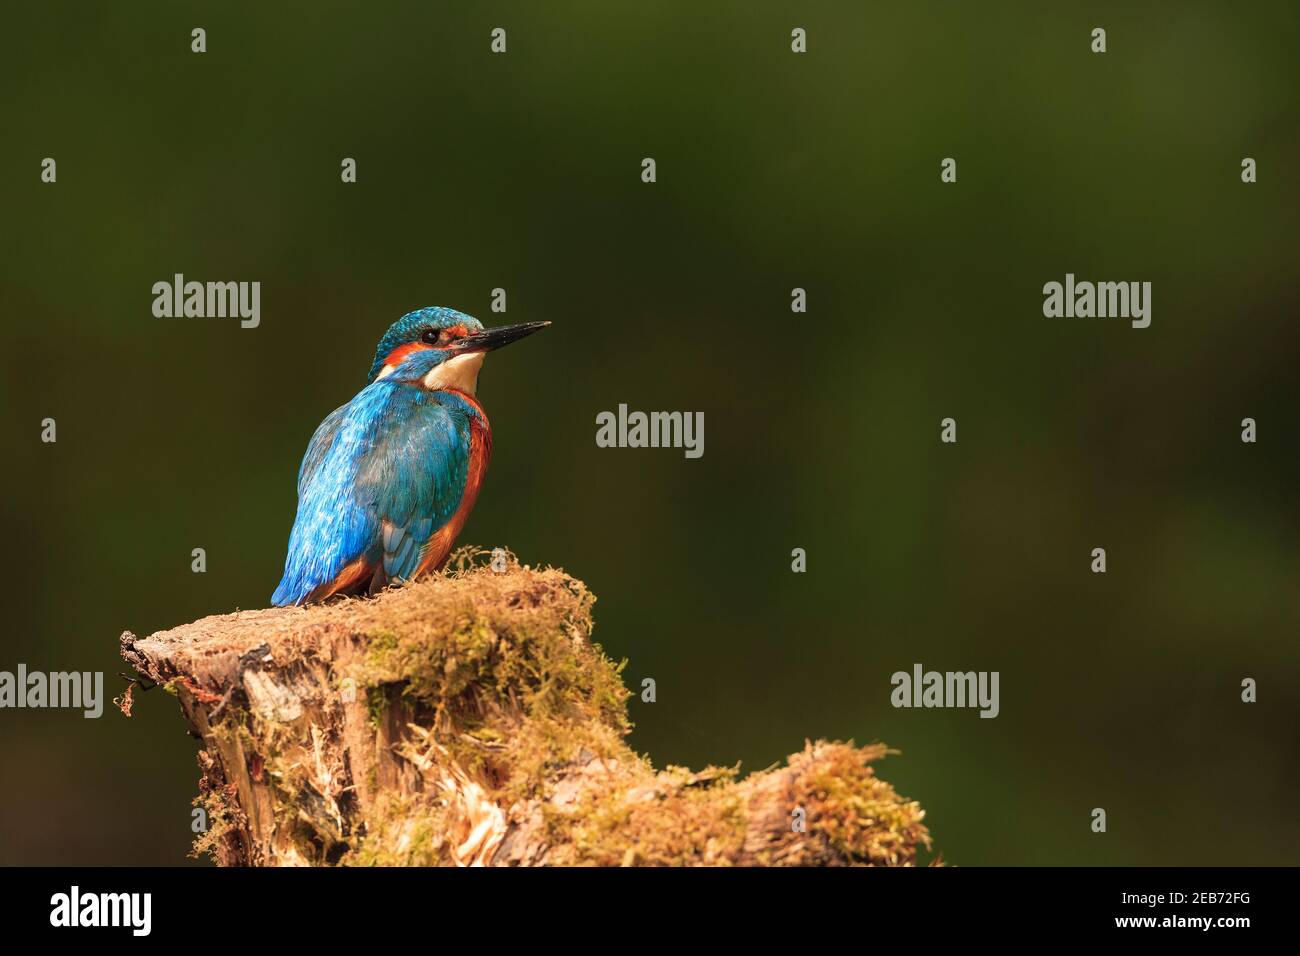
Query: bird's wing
pixel 380 476
pixel 320 443
pixel 416 479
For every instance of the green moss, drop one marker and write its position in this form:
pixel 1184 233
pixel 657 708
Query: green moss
pixel 505 671
pixel 402 832
pixel 222 818
pixel 687 819
pixel 487 697
pixel 381 642
pixel 376 705
pixel 859 814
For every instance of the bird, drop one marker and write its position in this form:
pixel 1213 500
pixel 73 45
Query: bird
pixel 389 479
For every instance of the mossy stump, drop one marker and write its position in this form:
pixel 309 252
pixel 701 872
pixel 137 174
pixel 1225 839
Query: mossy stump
pixel 469 719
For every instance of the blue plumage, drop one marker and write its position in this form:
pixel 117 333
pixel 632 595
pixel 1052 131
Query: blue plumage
pixel 388 478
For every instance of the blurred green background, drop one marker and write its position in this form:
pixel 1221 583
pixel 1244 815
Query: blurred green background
pixel 775 170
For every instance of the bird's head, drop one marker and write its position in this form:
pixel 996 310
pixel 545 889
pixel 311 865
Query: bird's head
pixel 441 348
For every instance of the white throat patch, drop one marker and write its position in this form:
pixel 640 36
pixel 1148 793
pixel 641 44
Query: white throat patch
pixel 460 373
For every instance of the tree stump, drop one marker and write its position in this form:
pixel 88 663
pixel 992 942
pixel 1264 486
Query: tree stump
pixel 468 719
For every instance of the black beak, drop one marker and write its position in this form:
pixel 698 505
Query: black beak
pixel 490 339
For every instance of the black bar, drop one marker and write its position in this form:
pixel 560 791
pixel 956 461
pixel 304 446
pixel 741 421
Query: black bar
pixel 329 906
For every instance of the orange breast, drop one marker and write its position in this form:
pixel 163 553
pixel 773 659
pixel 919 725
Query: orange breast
pixel 480 452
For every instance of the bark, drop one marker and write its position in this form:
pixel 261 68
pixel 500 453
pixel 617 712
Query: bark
pixel 469 719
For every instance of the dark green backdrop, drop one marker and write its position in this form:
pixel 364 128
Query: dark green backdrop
pixel 775 170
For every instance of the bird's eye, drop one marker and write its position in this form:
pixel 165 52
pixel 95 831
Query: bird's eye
pixel 434 336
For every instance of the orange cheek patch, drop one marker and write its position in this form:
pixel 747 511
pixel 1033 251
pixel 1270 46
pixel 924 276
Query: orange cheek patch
pixel 396 356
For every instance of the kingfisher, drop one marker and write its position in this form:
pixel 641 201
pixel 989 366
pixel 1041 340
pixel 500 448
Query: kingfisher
pixel 389 478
